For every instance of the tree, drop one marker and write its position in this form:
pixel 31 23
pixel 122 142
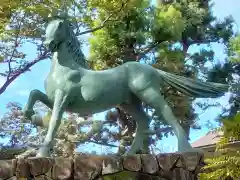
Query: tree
pixel 128 30
pixel 229 72
pixel 233 52
pixel 226 162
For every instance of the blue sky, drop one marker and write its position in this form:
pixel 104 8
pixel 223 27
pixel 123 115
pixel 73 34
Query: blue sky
pixel 19 89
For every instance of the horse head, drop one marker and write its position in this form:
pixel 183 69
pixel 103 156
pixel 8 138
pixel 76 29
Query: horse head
pixel 56 32
pixel 60 30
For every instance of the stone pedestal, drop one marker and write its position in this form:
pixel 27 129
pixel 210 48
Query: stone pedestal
pixel 169 166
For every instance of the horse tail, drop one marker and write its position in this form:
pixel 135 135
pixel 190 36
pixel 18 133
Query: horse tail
pixel 194 88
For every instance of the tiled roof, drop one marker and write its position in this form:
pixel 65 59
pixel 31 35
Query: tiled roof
pixel 210 138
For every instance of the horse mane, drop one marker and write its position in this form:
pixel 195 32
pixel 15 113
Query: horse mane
pixel 74 46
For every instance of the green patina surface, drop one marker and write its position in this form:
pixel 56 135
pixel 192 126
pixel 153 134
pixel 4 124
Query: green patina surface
pixel 72 86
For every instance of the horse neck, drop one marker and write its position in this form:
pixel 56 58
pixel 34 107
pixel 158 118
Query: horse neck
pixel 65 58
pixel 74 48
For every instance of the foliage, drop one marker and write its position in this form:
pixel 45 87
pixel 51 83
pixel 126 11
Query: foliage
pixel 226 162
pixel 229 71
pixel 234 49
pixel 12 127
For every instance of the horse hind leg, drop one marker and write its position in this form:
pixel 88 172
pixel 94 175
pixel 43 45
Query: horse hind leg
pixel 152 97
pixel 141 139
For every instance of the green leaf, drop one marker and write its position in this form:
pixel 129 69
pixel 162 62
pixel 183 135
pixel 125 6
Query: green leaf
pixel 1 58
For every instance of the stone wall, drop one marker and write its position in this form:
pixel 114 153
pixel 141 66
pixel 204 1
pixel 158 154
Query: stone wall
pixel 82 167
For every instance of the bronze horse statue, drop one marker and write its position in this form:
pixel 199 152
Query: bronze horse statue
pixel 72 86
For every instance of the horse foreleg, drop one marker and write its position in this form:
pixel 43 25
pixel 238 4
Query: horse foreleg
pixel 141 139
pixel 153 97
pixel 55 121
pixel 35 95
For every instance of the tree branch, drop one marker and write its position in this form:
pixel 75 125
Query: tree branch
pixel 103 23
pixel 22 70
pixel 141 53
pixel 102 143
pixel 160 130
pixel 3 74
pixel 203 41
pixel 10 60
pixel 14 49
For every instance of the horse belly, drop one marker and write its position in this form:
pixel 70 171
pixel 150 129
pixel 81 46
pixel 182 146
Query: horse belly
pixel 93 101
pixel 89 107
